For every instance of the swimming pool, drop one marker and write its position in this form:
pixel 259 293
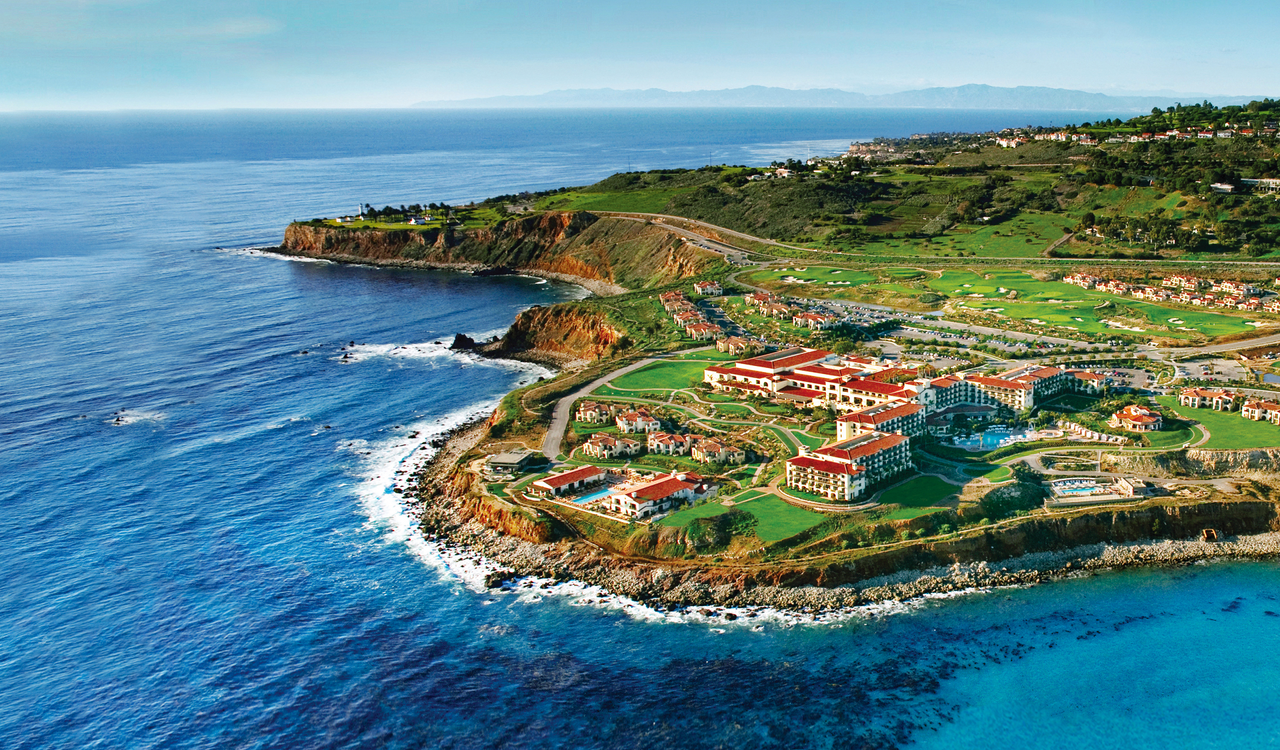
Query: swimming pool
pixel 993 438
pixel 593 496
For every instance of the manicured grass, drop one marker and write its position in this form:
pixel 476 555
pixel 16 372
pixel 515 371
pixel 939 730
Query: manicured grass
pixel 906 514
pixel 919 492
pixel 682 518
pixel 661 376
pixel 811 441
pixel 1227 430
pixel 742 497
pixel 991 472
pixel 1171 438
pixel 811 275
pixel 778 520
pixel 733 409
pixel 1070 402
pixel 710 355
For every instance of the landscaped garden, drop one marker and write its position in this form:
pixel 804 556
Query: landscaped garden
pixel 661 376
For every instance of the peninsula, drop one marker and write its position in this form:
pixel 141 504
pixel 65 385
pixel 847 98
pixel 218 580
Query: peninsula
pixel 797 384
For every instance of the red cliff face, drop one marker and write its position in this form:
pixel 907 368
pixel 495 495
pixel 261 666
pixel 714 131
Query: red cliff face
pixel 610 255
pixel 565 332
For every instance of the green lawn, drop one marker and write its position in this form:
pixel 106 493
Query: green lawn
pixel 823 275
pixel 812 441
pixel 649 201
pixel 710 355
pixel 682 518
pixel 778 520
pixel 906 514
pixel 661 376
pixel 1171 438
pixel 1227 430
pixel 920 492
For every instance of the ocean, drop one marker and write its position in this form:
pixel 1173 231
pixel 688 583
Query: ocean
pixel 202 543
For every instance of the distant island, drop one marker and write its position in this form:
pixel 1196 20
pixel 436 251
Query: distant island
pixel 991 357
pixel 971 96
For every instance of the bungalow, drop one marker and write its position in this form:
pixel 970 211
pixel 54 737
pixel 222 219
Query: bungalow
pixel 712 450
pixel 606 447
pixel 758 299
pixel 708 288
pixel 662 494
pixel 569 482
pixel 1135 418
pixel 637 421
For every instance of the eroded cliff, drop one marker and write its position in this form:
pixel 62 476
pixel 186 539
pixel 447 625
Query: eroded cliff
pixel 561 334
pixel 608 255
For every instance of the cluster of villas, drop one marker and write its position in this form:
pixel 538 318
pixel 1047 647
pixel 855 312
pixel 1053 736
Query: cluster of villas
pixel 1175 134
pixel 689 317
pixel 602 446
pixel 882 406
pixel 1188 290
pixel 772 306
pixel 1255 409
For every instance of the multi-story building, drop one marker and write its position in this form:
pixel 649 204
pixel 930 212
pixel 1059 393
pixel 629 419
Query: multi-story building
pixel 702 331
pixel 707 288
pixel 844 470
pixel 903 417
pixel 738 345
pixel 815 321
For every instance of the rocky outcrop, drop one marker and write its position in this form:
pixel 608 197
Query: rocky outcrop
pixel 1197 463
pixel 559 334
pixel 608 255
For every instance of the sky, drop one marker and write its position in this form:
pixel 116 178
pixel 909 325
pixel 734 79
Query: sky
pixel 212 54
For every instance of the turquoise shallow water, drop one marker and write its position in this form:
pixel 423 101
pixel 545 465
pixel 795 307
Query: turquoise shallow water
pixel 200 549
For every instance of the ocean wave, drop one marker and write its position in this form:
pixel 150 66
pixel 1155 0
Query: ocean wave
pixel 439 352
pixel 134 416
pixel 267 252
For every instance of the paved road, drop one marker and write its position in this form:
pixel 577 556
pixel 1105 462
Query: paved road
pixel 563 412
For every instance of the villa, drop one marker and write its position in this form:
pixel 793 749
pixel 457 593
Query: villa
pixel 593 412
pixel 672 445
pixel 712 450
pixel 737 345
pixel 707 288
pixel 637 421
pixel 815 321
pixel 1261 410
pixel 1205 398
pixel 606 447
pixel 1135 418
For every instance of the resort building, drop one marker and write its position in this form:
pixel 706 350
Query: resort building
pixel 713 451
pixel 671 445
pixel 673 300
pixel 904 418
pixel 707 288
pixel 943 422
pixel 594 412
pixel 569 482
pixel 703 331
pixel 1135 418
pixel 607 447
pixel 1205 398
pixel 1259 411
pixel 510 463
pixel 658 496
pixel 637 421
pixel 843 470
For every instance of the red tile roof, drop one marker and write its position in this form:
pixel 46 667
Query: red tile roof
pixel 999 383
pixel 802 393
pixel 828 467
pixel 569 477
pixel 864 449
pixel 869 416
pixel 659 489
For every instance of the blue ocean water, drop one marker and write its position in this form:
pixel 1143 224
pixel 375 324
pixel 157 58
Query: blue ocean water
pixel 200 545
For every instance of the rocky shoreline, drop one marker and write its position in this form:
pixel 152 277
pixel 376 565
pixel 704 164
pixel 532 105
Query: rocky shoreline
pixel 450 521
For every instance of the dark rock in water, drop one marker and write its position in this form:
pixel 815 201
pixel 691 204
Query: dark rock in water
pixel 495 271
pixel 462 342
pixel 498 577
pixel 730 616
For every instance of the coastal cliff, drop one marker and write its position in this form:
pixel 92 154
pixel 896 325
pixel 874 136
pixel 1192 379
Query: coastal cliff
pixel 1260 462
pixel 606 255
pixel 560 334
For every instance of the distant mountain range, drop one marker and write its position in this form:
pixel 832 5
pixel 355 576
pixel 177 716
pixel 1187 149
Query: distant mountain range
pixel 971 96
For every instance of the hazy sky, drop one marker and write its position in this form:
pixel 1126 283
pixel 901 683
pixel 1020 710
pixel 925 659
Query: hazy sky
pixel 108 54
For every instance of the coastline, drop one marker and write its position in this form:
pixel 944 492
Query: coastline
pixel 598 287
pixel 508 561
